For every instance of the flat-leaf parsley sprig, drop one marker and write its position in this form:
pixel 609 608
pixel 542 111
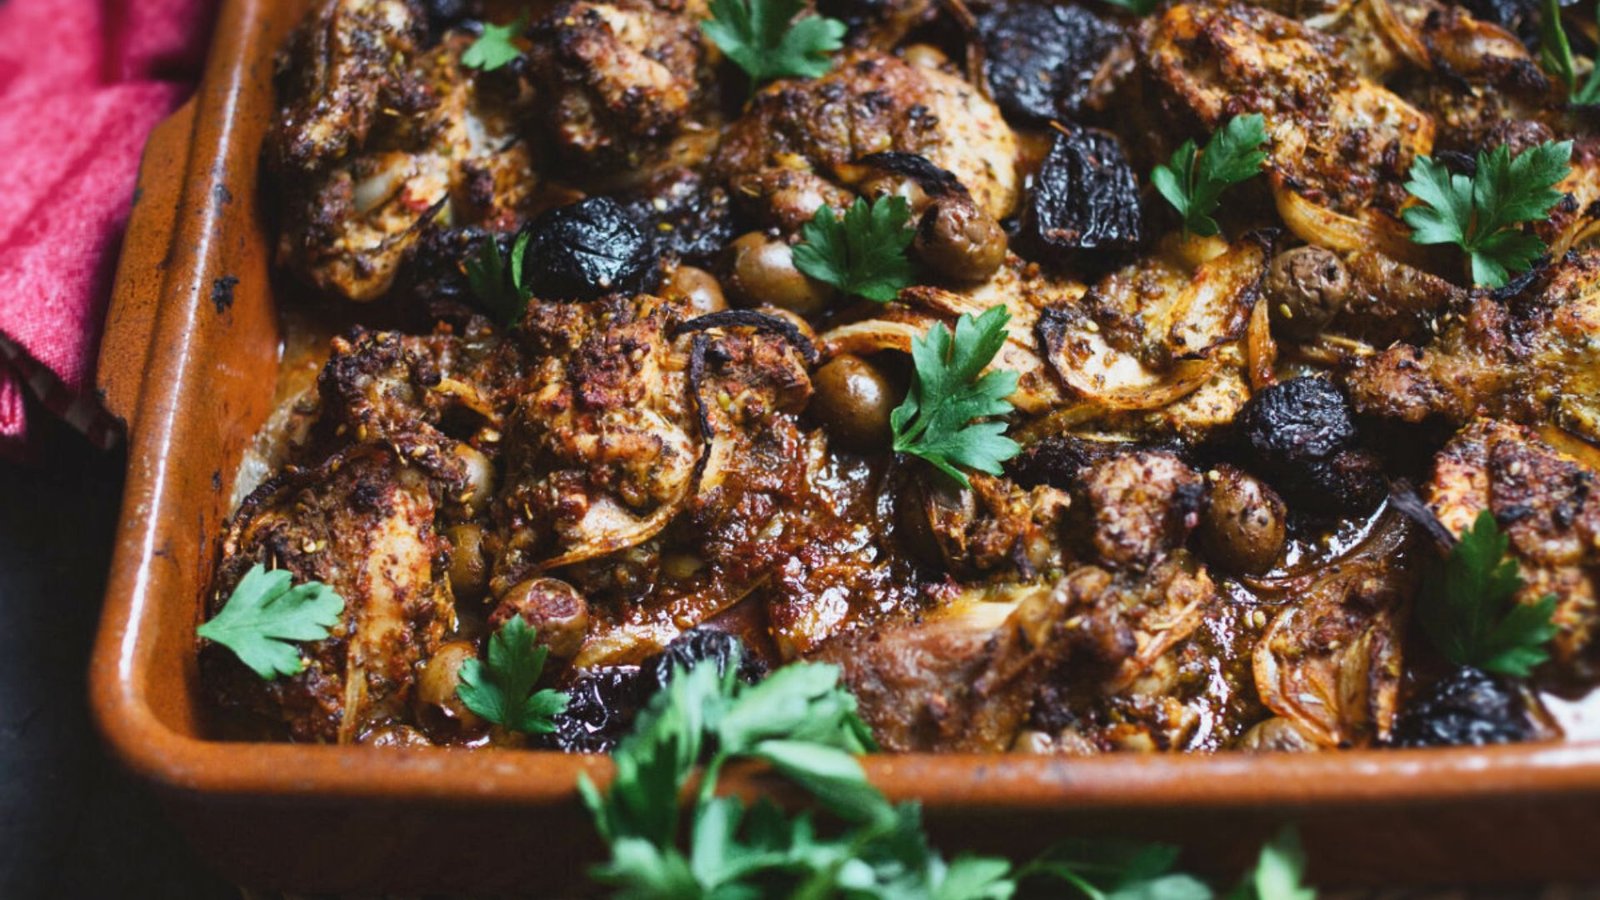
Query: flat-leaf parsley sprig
pixel 864 252
pixel 950 390
pixel 1469 609
pixel 1194 187
pixel 265 612
pixel 497 283
pixel 774 38
pixel 1480 214
pixel 502 690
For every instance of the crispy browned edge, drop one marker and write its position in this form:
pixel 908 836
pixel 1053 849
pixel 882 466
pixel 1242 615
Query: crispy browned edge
pixel 193 376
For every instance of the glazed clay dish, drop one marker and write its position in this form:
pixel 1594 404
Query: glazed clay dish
pixel 1095 389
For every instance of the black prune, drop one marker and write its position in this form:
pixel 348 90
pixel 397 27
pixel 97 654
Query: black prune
pixel 684 215
pixel 1301 435
pixel 695 646
pixel 444 15
pixel 1467 707
pixel 1056 459
pixel 1085 196
pixel 603 704
pixel 1041 58
pixel 588 249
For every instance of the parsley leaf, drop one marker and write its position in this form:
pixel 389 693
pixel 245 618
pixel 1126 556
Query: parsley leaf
pixel 864 253
pixel 1480 214
pixel 935 421
pixel 495 47
pixel 264 613
pixel 1279 872
pixel 1555 54
pixel 503 293
pixel 502 691
pixel 1119 870
pixel 1232 155
pixel 764 38
pixel 1468 606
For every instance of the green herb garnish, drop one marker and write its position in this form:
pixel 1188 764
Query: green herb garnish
pixel 503 293
pixel 1480 214
pixel 495 47
pixel 1468 606
pixel 950 390
pixel 1194 189
pixel 264 613
pixel 803 723
pixel 501 691
pixel 1555 54
pixel 1279 872
pixel 863 253
pixel 767 40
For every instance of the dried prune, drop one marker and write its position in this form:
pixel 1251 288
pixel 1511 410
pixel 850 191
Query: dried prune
pixel 1084 197
pixel 443 15
pixel 1301 436
pixel 588 249
pixel 1041 58
pixel 698 645
pixel 683 214
pixel 603 703
pixel 435 275
pixel 1467 707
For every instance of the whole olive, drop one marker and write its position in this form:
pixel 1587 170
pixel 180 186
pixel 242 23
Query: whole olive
pixel 552 606
pixel 853 401
pixel 761 271
pixel 586 249
pixel 469 571
pixel 480 478
pixel 698 288
pixel 1243 528
pixel 437 682
pixel 1305 287
pixel 960 241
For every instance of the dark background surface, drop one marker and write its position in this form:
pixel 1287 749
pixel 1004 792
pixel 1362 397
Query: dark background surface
pixel 71 823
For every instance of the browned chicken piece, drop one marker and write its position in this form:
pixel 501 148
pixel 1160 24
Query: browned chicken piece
pixel 1490 79
pixel 993 526
pixel 960 680
pixel 968 677
pixel 619 81
pixel 1144 504
pixel 1531 357
pixel 1549 506
pixel 362 523
pixel 397 390
pixel 1330 660
pixel 603 443
pixel 376 136
pixel 1339 145
pixel 799 137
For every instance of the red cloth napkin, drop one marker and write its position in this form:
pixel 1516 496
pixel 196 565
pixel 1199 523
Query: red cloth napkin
pixel 82 82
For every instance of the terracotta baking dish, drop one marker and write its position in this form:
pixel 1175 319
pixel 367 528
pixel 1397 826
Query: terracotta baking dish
pixel 189 361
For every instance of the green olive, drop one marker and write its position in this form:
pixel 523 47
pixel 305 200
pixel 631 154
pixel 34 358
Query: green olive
pixel 1244 527
pixel 468 569
pixel 440 675
pixel 552 606
pixel 853 401
pixel 698 288
pixel 761 271
pixel 960 241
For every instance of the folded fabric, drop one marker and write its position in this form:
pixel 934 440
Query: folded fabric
pixel 82 82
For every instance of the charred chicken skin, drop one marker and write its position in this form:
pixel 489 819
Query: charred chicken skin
pixel 603 383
